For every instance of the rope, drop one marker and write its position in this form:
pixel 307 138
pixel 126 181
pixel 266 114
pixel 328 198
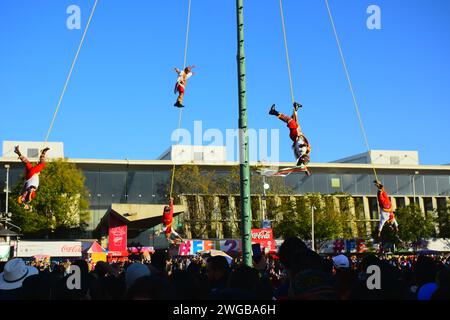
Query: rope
pixel 351 87
pixel 287 52
pixel 181 110
pixel 70 73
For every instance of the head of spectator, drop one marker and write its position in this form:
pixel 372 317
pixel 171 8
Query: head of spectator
pixel 113 288
pixel 443 283
pixel 11 279
pixel 217 271
pixel 37 287
pixel 184 285
pixel 150 288
pixel 288 251
pixel 425 271
pixel 310 282
pixel 135 271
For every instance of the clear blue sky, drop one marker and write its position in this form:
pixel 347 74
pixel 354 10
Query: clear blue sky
pixel 119 101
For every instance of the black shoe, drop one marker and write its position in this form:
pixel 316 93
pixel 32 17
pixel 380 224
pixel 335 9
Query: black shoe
pixel 297 106
pixel 273 111
pixel 178 104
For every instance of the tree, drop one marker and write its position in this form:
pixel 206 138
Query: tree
pixel 413 224
pixel 60 205
pixel 443 220
pixel 295 220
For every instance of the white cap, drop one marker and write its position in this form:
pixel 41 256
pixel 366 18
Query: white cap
pixel 341 261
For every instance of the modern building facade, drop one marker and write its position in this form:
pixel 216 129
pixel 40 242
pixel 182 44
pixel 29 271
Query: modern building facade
pixel 144 182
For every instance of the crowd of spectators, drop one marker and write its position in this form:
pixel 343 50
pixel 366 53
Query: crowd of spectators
pixel 295 272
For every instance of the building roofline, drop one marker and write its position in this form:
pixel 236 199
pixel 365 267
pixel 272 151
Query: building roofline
pixel 329 165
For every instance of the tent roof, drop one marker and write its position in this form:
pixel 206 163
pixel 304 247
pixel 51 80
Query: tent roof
pixel 92 247
pixel 8 233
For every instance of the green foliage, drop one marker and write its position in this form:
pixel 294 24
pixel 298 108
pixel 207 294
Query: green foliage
pixel 413 225
pixel 189 179
pixel 443 220
pixel 61 202
pixel 329 223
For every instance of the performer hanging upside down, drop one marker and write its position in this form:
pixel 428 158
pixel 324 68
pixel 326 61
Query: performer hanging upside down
pixel 31 184
pixel 167 223
pixel 180 85
pixel 386 210
pixel 301 145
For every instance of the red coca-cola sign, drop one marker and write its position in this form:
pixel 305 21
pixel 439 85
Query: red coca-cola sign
pixel 265 238
pixel 262 234
pixel 74 249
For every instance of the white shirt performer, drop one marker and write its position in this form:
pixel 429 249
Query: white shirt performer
pixel 180 85
pixel 31 184
pixel 386 210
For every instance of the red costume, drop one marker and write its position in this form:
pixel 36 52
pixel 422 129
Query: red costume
pixel 168 219
pixel 385 203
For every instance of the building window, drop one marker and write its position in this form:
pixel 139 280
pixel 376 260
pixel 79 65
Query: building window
pixel 198 156
pixel 32 153
pixel 395 160
pixel 373 207
pixel 400 202
pixel 428 204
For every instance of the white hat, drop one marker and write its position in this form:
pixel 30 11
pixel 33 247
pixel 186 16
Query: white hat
pixel 341 261
pixel 14 272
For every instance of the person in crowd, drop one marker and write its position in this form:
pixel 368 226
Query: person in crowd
pixel 217 271
pixel 15 272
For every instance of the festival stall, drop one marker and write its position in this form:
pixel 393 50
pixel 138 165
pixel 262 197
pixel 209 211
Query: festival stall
pixel 93 252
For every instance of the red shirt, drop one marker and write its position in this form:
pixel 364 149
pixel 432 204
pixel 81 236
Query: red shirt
pixel 168 216
pixel 31 170
pixel 383 201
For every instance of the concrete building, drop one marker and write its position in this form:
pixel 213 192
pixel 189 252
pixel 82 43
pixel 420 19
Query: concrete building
pixel 31 149
pixel 142 182
pixel 195 154
pixel 391 157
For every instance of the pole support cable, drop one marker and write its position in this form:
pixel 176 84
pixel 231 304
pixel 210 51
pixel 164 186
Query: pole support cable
pixel 181 110
pixel 350 85
pixel 287 51
pixel 70 73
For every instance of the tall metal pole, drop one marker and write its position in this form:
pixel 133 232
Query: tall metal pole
pixel 243 141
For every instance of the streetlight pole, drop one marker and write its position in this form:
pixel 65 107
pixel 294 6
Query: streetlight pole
pixel 312 228
pixel 264 200
pixel 7 190
pixel 414 185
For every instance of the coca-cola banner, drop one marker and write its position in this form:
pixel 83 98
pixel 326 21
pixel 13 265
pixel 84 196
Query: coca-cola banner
pixel 265 238
pixel 49 248
pixel 117 241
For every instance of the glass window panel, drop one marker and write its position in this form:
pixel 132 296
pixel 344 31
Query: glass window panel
pixel 390 183
pixel 301 183
pixel 112 188
pixel 321 183
pixel 431 186
pixel 404 184
pixel 140 187
pixel 348 183
pixel 443 185
pixel 363 184
pixel 161 181
pixel 418 185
